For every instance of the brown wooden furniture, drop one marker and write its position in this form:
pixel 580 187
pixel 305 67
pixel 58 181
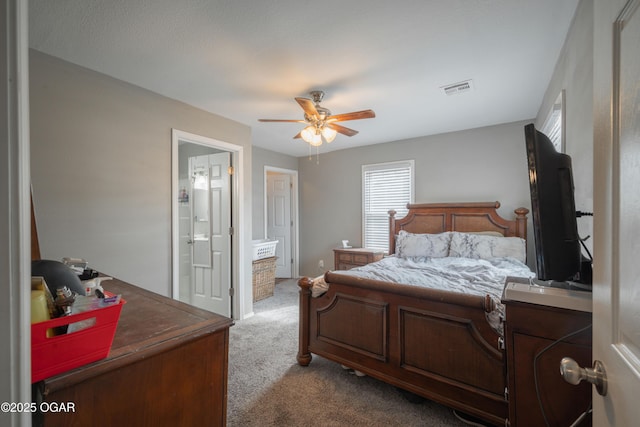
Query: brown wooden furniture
pixel 434 343
pixel 530 329
pixel 347 258
pixel 167 366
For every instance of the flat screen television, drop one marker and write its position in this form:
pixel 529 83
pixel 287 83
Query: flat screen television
pixel 557 245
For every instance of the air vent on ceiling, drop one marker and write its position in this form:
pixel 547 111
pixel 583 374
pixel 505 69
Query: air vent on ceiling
pixel 460 87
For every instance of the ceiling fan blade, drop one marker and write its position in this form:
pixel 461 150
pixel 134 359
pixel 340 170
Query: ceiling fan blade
pixel 298 135
pixel 308 107
pixel 356 115
pixel 341 129
pixel 282 121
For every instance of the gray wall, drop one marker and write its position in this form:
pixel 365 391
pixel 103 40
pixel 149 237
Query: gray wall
pixel 101 170
pixel 262 158
pixel 574 74
pixel 485 164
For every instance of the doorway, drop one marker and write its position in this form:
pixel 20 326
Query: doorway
pixel 281 217
pixel 203 199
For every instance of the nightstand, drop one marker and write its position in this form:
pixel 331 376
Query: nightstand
pixel 347 258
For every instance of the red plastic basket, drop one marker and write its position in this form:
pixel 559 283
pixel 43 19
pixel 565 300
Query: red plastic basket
pixel 54 355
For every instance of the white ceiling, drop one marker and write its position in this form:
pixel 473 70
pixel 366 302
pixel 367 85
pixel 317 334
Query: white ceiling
pixel 248 59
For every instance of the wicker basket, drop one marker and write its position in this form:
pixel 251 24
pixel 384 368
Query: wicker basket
pixel 264 278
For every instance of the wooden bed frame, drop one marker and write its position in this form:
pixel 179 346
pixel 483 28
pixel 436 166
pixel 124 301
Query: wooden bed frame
pixel 433 343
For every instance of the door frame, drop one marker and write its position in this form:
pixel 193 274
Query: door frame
pixel 295 247
pixel 15 215
pixel 237 257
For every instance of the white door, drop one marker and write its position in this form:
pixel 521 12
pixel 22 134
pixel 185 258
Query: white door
pixel 279 221
pixel 211 238
pixel 616 287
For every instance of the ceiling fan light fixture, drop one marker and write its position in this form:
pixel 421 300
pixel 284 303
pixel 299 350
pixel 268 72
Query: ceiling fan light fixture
pixel 329 134
pixel 316 141
pixel 308 134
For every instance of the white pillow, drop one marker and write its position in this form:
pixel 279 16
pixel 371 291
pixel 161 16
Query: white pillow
pixel 486 247
pixel 422 245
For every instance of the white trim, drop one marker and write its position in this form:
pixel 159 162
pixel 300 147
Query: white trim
pixel 237 205
pixel 15 224
pixel 295 250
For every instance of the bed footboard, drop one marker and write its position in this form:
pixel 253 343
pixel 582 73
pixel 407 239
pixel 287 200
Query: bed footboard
pixel 304 356
pixel 436 344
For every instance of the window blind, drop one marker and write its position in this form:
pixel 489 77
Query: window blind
pixel 553 129
pixel 553 126
pixel 386 186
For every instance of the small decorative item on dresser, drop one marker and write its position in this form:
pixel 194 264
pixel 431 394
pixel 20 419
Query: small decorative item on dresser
pixel 347 258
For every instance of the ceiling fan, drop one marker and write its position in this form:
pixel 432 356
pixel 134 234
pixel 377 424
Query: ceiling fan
pixel 321 125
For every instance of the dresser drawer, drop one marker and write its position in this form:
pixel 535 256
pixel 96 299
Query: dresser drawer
pixel 344 257
pixel 347 258
pixel 361 259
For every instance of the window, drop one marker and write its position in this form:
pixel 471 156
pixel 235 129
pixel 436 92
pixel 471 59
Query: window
pixel 554 125
pixel 385 186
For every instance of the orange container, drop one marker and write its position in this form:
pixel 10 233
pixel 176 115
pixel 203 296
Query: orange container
pixel 54 355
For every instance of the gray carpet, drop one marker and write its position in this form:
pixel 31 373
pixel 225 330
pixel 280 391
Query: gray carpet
pixel 267 387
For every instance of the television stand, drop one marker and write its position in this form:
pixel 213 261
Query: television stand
pixel 540 292
pixel 543 325
pixel 574 286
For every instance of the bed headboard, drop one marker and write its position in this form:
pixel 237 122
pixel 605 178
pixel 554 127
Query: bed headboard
pixel 464 217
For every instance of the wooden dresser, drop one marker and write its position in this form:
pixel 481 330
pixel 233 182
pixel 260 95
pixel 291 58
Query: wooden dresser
pixel 167 366
pixel 347 258
pixel 539 335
